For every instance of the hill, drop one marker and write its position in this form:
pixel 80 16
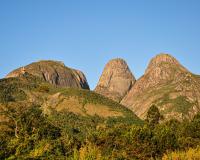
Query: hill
pixel 26 89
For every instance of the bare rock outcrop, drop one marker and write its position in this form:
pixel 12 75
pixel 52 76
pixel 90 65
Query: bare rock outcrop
pixel 116 80
pixel 54 72
pixel 169 85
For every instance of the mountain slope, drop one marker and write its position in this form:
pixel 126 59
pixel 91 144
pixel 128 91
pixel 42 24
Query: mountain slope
pixel 169 85
pixel 116 80
pixel 54 72
pixel 27 89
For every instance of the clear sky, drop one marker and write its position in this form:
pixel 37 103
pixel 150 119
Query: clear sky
pixel 85 34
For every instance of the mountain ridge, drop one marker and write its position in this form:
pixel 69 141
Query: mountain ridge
pixel 165 83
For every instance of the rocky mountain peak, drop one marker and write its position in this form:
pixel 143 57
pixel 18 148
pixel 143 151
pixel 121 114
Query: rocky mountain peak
pixel 163 61
pixel 116 80
pixel 117 61
pixel 163 57
pixel 54 72
pixel 167 84
pixel 161 69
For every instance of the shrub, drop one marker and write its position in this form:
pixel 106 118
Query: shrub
pixel 43 88
pixel 191 154
pixel 89 152
pixel 153 116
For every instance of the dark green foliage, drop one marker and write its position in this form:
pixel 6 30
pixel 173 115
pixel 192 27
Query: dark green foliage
pixel 5 95
pixel 30 127
pixel 61 134
pixel 27 133
pixel 13 89
pixel 166 138
pixel 195 126
pixel 191 130
pixel 33 121
pixel 11 93
pixel 153 116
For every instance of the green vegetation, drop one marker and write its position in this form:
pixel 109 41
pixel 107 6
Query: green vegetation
pixel 90 97
pixel 28 87
pixel 179 104
pixel 28 133
pixel 190 154
pixel 13 89
pixel 153 116
pixel 44 88
pixel 182 104
pixel 32 135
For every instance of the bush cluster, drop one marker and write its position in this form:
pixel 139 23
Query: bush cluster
pixel 32 135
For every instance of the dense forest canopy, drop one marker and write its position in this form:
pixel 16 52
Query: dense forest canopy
pixel 29 133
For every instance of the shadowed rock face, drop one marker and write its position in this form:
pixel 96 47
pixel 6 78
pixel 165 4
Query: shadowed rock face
pixel 55 73
pixel 169 85
pixel 116 80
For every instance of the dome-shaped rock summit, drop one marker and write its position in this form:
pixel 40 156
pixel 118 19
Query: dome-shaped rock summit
pixel 116 80
pixel 54 72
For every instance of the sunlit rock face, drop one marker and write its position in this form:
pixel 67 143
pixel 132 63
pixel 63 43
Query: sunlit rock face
pixel 169 85
pixel 116 80
pixel 54 72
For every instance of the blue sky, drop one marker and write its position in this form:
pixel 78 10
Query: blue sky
pixel 85 34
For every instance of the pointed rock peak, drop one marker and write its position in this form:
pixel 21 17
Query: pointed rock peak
pixel 163 60
pixel 116 79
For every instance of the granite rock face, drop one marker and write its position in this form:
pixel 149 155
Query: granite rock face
pixel 54 72
pixel 167 84
pixel 116 80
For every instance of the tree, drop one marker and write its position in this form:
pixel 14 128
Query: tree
pixel 153 116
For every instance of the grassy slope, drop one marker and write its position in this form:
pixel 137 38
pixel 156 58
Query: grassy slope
pixel 82 103
pixel 178 103
pixel 171 101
